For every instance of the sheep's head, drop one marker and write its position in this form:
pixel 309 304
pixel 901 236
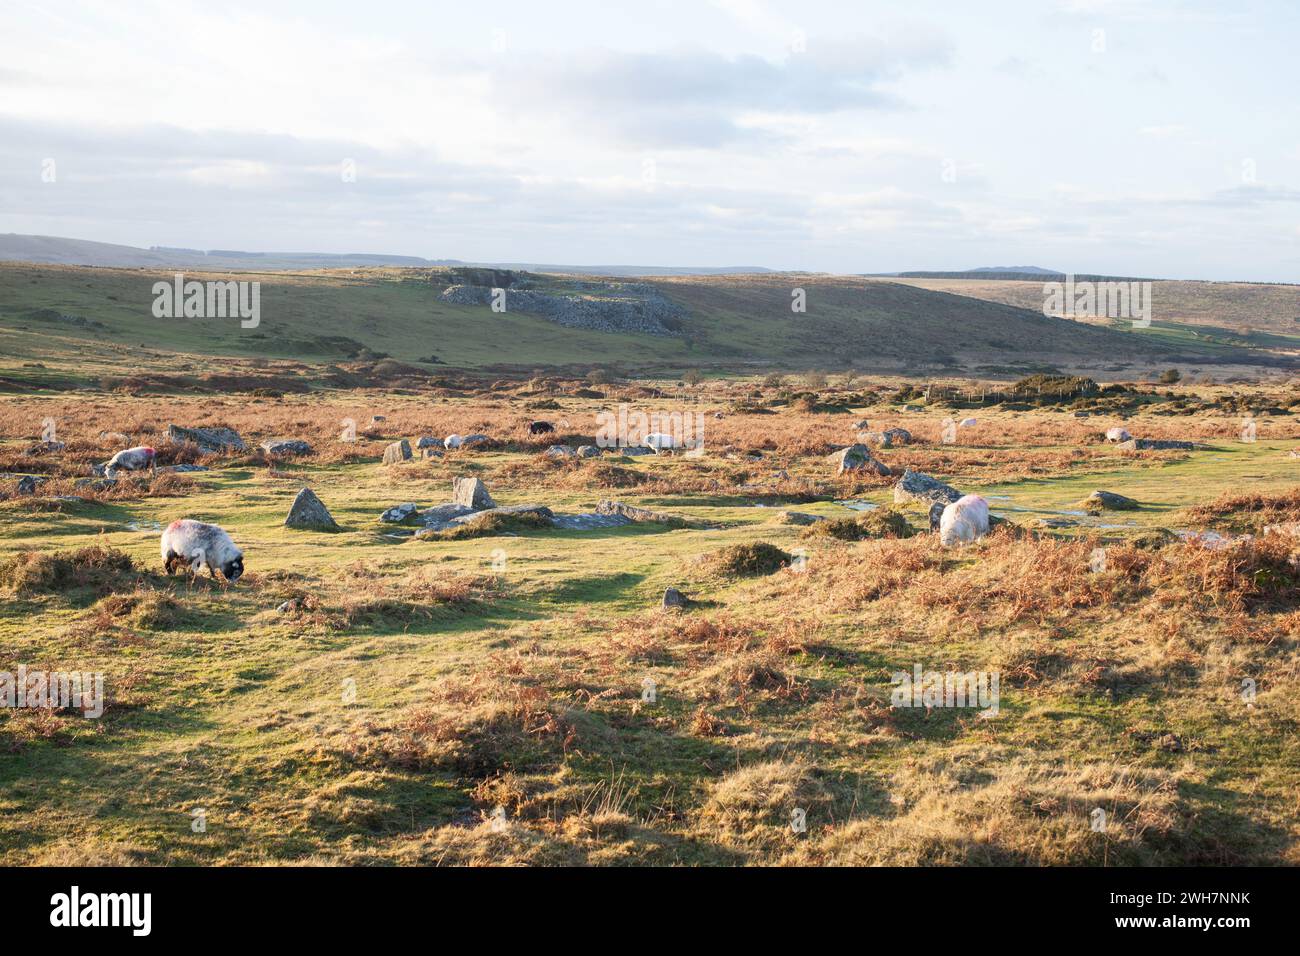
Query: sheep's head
pixel 233 568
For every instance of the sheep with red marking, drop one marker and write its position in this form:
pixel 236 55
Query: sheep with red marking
pixel 140 458
pixel 964 521
pixel 199 545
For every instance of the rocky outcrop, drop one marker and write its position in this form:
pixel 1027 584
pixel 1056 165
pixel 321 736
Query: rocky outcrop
pixel 600 306
pixel 1108 501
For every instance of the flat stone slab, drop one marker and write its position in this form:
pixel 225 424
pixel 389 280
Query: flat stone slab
pixel 1153 444
pixel 610 507
pixel 590 522
pixel 286 446
pixel 440 517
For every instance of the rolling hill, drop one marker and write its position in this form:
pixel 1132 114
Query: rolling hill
pixel 98 315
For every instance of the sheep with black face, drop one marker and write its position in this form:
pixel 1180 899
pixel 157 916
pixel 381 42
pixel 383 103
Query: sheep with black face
pixel 196 544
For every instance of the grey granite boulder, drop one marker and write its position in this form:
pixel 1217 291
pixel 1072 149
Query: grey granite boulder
pixel 309 513
pixel 471 493
pixel 398 451
pixel 286 446
pixel 400 513
pixel 919 487
pixel 856 457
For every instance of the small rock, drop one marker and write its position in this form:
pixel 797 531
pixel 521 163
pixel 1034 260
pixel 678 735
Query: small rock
pixel 560 451
pixel 675 599
pixel 1152 444
pixel 27 484
pixel 431 453
pixel 309 512
pixel 469 441
pixel 635 450
pixel 471 493
pixel 440 517
pixel 184 469
pixel 588 451
pixel 399 513
pixel 398 451
pixel 428 442
pixel 376 419
pixel 936 515
pixel 856 458
pixel 1117 435
pixel 286 446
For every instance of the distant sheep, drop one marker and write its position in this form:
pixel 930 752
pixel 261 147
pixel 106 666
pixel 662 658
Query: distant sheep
pixel 1117 434
pixel 193 543
pixel 131 459
pixel 963 521
pixel 452 441
pixel 540 428
pixel 660 441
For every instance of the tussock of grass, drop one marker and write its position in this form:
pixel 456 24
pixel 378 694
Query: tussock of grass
pixel 749 560
pixel 98 567
pixel 1246 513
pixel 883 523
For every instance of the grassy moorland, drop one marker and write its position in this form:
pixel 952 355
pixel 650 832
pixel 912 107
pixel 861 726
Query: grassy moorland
pixel 410 687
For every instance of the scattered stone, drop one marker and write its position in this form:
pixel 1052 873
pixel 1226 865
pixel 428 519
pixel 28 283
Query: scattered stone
pixel 897 436
pixel 288 607
pixel 440 517
pixel 1108 501
pixel 27 484
pixel 399 513
pixel 214 440
pixel 635 450
pixel 560 451
pixel 1048 523
pixel 286 446
pixel 504 510
pixel 184 469
pixel 856 458
pixel 398 451
pixel 46 447
pixel 588 451
pixel 431 453
pixel 309 513
pixel 1152 444
pixel 919 487
pixel 469 441
pixel 1117 435
pixel 589 522
pixel 116 437
pixel 471 493
pixel 1082 414
pixel 427 442
pixel 609 507
pixel 861 425
pixel 376 419
pixel 675 600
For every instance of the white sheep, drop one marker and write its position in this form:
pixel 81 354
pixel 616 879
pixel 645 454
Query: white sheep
pixel 963 521
pixel 131 459
pixel 193 543
pixel 967 423
pixel 1117 434
pixel 452 441
pixel 660 441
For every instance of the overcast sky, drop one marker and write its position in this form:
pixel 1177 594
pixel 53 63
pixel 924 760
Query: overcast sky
pixel 1128 137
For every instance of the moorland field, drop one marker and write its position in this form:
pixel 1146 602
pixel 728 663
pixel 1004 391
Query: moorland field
pixel 372 696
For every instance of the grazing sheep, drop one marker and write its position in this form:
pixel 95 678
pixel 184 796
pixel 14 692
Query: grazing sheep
pixel 1117 434
pixel 540 428
pixel 963 521
pixel 967 423
pixel 660 441
pixel 131 459
pixel 452 441
pixel 193 543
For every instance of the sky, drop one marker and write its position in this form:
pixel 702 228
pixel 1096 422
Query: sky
pixel 1131 137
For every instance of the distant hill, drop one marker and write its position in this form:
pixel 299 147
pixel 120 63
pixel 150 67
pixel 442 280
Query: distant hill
pixel 734 322
pixel 82 252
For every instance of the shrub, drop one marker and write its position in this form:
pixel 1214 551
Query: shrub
pixel 748 560
pixel 885 523
pixel 96 566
